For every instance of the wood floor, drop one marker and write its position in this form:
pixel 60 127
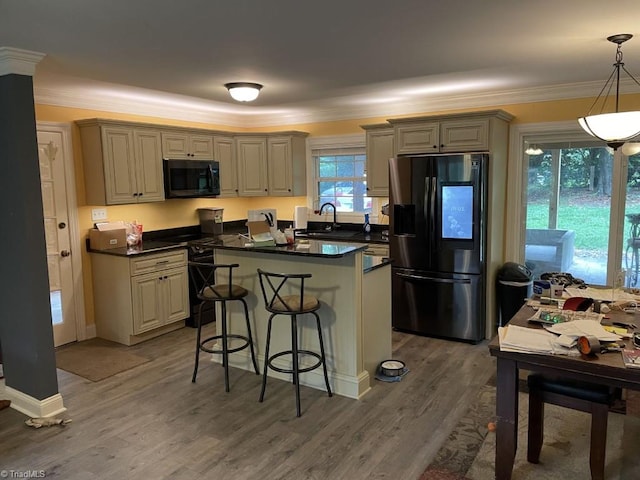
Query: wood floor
pixel 152 422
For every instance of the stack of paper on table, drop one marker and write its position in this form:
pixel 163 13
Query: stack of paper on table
pixel 579 328
pixel 526 340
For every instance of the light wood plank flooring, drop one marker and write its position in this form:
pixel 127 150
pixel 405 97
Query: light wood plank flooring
pixel 152 422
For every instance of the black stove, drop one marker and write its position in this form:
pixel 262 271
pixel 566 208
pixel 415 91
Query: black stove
pixel 200 246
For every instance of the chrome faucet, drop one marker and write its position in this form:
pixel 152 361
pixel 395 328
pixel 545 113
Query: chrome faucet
pixel 335 221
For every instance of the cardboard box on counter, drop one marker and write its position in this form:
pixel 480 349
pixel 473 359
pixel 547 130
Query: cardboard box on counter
pixel 260 234
pixel 107 236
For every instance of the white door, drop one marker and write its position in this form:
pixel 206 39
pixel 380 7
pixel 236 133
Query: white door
pixel 56 221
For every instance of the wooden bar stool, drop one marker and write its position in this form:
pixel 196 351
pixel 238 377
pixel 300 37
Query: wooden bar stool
pixel 274 286
pixel 203 276
pixel 568 393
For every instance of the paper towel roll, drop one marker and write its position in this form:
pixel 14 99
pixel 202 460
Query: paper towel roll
pixel 300 217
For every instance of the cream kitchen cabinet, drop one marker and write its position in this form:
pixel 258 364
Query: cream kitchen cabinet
pixel 122 163
pixel 380 148
pixel 187 145
pixel 465 132
pixel 273 164
pixel 252 166
pixel 225 153
pixel 286 165
pixel 139 297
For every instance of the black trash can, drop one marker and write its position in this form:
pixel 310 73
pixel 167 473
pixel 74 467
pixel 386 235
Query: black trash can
pixel 513 288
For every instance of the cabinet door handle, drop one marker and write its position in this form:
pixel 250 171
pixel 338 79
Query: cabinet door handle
pixel 161 262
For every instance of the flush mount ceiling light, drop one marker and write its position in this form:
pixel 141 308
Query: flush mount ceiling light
pixel 613 128
pixel 533 150
pixel 243 91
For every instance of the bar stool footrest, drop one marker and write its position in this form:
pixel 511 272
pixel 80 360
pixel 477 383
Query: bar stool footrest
pixel 290 352
pixel 204 348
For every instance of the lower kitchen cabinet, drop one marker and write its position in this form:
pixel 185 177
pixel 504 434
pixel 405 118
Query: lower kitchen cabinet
pixel 140 297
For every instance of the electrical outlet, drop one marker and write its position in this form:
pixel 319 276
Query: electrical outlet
pixel 98 214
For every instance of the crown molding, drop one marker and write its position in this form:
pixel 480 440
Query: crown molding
pixel 213 113
pixel 107 103
pixel 17 61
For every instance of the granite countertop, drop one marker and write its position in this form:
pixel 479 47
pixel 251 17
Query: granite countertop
pixel 371 262
pixel 146 247
pixel 345 236
pixel 310 248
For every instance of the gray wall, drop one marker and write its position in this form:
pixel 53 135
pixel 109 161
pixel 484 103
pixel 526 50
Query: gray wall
pixel 26 333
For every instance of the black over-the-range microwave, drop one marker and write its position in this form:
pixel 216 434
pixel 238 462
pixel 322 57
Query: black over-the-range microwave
pixel 191 178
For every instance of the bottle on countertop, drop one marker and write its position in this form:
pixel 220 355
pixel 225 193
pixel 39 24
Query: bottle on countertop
pixel 367 226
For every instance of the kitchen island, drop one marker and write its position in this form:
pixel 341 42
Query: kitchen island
pixel 355 313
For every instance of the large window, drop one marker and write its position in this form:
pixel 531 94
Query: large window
pixel 577 202
pixel 568 210
pixel 340 175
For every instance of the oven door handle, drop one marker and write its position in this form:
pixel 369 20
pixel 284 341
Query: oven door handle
pixel 422 278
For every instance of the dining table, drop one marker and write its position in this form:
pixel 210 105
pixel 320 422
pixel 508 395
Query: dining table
pixel 600 368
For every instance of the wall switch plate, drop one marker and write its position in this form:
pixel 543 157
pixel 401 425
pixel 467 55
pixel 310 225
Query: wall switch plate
pixel 98 214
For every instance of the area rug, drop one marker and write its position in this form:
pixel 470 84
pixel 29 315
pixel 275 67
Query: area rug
pixel 469 452
pixel 96 359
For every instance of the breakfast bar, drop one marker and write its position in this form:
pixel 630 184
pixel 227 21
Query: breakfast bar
pixel 356 327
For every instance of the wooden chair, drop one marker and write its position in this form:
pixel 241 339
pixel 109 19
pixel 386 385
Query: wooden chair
pixel 276 302
pixel 585 397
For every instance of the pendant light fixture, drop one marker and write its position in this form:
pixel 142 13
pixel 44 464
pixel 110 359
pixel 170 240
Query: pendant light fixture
pixel 631 148
pixel 243 91
pixel 533 150
pixel 613 128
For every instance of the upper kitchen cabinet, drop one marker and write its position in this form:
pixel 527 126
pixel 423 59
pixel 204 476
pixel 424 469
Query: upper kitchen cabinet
pixel 187 145
pixel 464 132
pixel 225 153
pixel 271 165
pixel 380 148
pixel 252 166
pixel 122 162
pixel 286 165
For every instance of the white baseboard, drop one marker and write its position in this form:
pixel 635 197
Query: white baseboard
pixel 30 406
pixel 351 386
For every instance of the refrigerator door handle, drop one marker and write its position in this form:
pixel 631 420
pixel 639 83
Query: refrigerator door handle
pixel 433 195
pixel 433 279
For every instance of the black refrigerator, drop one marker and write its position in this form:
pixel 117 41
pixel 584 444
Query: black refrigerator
pixel 437 240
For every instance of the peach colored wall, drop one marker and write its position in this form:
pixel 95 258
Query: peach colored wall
pixel 176 213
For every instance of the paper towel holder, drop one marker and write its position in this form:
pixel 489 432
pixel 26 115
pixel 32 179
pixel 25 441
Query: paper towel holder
pixel 300 218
